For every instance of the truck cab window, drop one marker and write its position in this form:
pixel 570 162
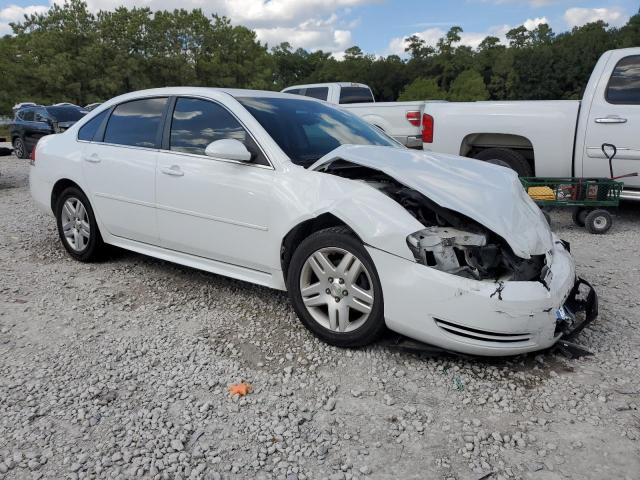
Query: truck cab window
pixel 624 84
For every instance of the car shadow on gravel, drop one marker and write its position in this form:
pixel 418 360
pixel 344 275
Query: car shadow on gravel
pixel 249 312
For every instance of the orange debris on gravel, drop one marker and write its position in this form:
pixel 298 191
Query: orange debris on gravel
pixel 241 389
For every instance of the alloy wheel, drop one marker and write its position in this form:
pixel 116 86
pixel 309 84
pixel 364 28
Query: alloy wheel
pixel 75 224
pixel 18 146
pixel 336 289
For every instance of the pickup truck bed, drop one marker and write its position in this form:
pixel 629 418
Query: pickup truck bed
pixel 391 117
pixel 467 128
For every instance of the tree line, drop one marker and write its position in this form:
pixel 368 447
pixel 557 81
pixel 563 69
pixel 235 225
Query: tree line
pixel 71 54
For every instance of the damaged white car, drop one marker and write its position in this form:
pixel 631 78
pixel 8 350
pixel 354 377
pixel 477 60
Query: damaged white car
pixel 297 195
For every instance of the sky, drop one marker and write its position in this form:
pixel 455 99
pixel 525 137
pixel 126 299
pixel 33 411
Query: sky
pixel 376 26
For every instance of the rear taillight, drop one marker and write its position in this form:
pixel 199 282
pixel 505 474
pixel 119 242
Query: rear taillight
pixel 32 157
pixel 413 117
pixel 427 128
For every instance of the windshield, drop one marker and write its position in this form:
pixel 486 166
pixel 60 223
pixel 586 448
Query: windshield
pixel 307 130
pixel 66 114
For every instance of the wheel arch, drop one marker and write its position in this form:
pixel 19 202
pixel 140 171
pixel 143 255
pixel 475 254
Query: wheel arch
pixel 60 187
pixel 474 143
pixel 302 230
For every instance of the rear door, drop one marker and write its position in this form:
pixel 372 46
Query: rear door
pixel 119 163
pixel 615 118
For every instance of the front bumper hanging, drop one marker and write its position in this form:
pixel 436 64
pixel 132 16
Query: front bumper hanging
pixel 580 309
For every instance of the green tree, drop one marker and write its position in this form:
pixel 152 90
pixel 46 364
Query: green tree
pixel 468 86
pixel 422 89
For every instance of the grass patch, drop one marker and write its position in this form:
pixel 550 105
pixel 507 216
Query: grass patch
pixel 4 132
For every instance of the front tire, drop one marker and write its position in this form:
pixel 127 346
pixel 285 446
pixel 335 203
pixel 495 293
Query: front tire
pixel 508 157
pixel 77 226
pixel 335 289
pixel 19 148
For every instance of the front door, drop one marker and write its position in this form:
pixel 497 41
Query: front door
pixel 615 118
pixel 210 207
pixel 120 169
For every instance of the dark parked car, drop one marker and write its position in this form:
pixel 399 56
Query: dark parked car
pixel 31 123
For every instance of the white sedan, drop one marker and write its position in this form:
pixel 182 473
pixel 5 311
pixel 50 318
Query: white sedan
pixel 298 195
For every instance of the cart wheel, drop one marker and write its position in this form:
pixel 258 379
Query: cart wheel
pixel 598 221
pixel 579 216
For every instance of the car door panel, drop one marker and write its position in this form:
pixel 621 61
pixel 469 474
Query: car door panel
pixel 214 208
pixel 614 118
pixel 122 189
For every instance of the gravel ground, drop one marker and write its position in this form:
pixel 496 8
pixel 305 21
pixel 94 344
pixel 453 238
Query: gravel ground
pixel 120 370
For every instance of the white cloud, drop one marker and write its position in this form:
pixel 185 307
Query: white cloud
pixel 311 24
pixel 16 13
pixel 576 17
pixel 470 39
pixel 532 23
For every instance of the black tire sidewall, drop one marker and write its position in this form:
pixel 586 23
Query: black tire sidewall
pixel 513 159
pixel 591 218
pixel 579 216
pixel 92 249
pixel 374 325
pixel 24 148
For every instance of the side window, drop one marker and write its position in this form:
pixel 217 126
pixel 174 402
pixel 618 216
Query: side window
pixel 89 129
pixel 28 115
pixel 41 116
pixel 294 91
pixel 136 123
pixel 624 84
pixel 355 95
pixel 196 123
pixel 321 93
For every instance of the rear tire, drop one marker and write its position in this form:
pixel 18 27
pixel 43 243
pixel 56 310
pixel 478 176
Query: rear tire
pixel 19 148
pixel 598 221
pixel 506 156
pixel 341 305
pixel 579 216
pixel 77 226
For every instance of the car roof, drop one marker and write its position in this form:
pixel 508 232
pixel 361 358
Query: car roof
pixel 328 84
pixel 204 91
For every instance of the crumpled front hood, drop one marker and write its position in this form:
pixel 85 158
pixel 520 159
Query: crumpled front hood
pixel 487 193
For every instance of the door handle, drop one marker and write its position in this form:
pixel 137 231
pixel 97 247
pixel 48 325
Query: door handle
pixel 93 158
pixel 612 119
pixel 174 171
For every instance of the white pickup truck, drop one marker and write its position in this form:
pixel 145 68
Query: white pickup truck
pixel 400 120
pixel 553 138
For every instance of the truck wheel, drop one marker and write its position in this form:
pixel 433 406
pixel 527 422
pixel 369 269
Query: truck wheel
pixel 598 221
pixel 511 158
pixel 579 215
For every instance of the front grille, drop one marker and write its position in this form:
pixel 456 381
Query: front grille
pixel 481 335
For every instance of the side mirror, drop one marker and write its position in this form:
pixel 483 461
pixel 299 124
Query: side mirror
pixel 228 149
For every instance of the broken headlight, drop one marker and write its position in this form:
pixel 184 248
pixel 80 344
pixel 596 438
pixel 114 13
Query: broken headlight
pixel 454 251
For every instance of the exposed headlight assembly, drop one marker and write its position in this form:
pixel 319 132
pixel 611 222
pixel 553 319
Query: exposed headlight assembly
pixel 453 251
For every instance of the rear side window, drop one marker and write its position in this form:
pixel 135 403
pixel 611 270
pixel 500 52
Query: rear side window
pixel 196 123
pixel 41 116
pixel 294 91
pixel 28 115
pixel 88 131
pixel 136 123
pixel 355 95
pixel 624 84
pixel 321 93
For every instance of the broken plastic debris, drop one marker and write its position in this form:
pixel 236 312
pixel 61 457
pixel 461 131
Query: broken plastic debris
pixel 240 389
